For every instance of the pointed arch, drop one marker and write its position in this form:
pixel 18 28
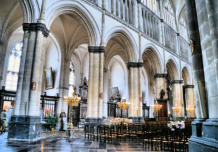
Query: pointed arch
pixel 69 7
pixel 126 41
pixel 152 65
pixel 186 76
pixel 172 69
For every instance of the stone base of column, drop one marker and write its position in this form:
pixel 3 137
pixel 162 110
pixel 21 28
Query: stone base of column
pixel 204 136
pixel 197 127
pixel 201 144
pixel 94 120
pixel 210 129
pixel 24 128
pixel 137 119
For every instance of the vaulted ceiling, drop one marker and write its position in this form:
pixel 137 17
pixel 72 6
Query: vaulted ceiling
pixel 179 6
pixel 70 32
pixel 11 17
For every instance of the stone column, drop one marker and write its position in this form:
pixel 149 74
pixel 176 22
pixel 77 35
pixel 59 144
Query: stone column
pixel 198 70
pixel 211 67
pixel 178 98
pixel 135 92
pixel 64 86
pixel 210 52
pixel 37 76
pixel 189 101
pixel 25 124
pixel 21 76
pixel 101 85
pixel 203 33
pixel 95 84
pixel 106 92
pixel 207 22
pixel 161 94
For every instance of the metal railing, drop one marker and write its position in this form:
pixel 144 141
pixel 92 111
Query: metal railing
pixel 49 105
pixel 6 96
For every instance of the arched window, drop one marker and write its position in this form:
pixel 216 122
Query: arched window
pixel 169 16
pixel 151 4
pixel 71 79
pixel 183 29
pixel 13 67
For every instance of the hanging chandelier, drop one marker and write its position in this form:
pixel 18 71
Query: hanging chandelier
pixel 123 105
pixel 190 109
pixel 177 109
pixel 156 107
pixel 72 101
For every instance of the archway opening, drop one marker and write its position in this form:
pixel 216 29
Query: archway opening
pixel 73 36
pixel 172 70
pixel 11 46
pixel 152 65
pixel 185 76
pixel 119 51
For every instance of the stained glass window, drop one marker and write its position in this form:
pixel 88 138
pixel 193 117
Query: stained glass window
pixel 13 67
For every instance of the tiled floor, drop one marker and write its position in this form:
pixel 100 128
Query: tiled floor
pixel 65 144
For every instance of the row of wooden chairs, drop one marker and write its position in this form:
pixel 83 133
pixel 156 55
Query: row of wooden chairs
pixel 106 133
pixel 163 138
pixel 155 134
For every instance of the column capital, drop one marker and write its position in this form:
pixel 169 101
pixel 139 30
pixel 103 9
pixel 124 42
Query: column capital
pixel 188 86
pixel 96 49
pixel 36 27
pixel 176 81
pixel 134 64
pixel 160 75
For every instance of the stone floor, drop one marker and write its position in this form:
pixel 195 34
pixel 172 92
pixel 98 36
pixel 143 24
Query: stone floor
pixel 65 144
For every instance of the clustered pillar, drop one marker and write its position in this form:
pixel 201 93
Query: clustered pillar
pixel 25 123
pixel 95 84
pixel 135 93
pixel 203 21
